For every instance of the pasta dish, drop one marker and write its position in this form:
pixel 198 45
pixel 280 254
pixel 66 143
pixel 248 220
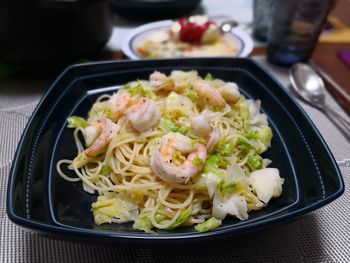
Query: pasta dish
pixel 171 151
pixel 195 36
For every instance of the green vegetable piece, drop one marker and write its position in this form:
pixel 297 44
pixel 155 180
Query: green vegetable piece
pixel 108 208
pixel 212 165
pixel 171 126
pixel 144 223
pixel 184 129
pixel 230 114
pixel 168 124
pixel 100 109
pixel 209 77
pixel 255 161
pixel 265 136
pixel 192 95
pixel 228 149
pixel 181 219
pixel 76 122
pixel 105 170
pixel 104 210
pixel 100 218
pixel 225 148
pixel 227 187
pixel 79 161
pixel 252 135
pixel 197 161
pixel 243 144
pixel 140 91
pixel 202 140
pixel 221 143
pixel 208 225
pixel 244 113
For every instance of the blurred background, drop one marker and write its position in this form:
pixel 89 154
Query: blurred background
pixel 39 38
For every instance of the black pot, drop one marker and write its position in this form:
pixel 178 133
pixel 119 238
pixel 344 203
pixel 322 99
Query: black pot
pixel 52 31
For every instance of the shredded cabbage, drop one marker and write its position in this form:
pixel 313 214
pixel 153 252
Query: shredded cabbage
pixel 235 205
pixel 105 170
pixel 179 103
pixel 77 122
pixel 169 125
pixel 255 161
pixel 265 137
pixel 208 225
pixel 105 209
pixel 100 109
pixel 267 183
pixel 144 223
pixel 140 89
pixel 181 219
pixel 79 161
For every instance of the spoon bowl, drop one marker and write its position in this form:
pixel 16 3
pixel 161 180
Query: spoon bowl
pixel 309 86
pixel 227 25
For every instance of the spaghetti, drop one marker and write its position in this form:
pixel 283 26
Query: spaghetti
pixel 174 151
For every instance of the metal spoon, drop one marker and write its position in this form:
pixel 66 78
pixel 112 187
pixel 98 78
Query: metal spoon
pixel 227 25
pixel 310 87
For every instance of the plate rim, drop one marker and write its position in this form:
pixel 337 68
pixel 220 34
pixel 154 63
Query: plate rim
pixel 127 42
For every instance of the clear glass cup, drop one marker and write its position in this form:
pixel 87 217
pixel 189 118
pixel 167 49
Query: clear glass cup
pixel 261 18
pixel 295 28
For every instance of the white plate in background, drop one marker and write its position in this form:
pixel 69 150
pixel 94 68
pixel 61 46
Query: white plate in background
pixel 241 39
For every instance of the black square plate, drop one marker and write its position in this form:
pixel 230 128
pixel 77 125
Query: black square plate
pixel 39 199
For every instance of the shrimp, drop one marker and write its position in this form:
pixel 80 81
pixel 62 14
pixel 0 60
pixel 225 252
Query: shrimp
pixel 168 160
pixel 201 127
pixel 160 81
pixel 211 94
pixel 120 102
pixel 183 80
pixel 200 123
pixel 143 114
pixel 213 139
pixel 91 133
pixel 230 92
pixel 107 130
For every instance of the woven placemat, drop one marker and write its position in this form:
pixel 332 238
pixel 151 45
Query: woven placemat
pixel 322 236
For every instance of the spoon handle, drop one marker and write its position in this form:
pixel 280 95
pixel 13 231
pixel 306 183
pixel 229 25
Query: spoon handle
pixel 339 117
pixel 341 123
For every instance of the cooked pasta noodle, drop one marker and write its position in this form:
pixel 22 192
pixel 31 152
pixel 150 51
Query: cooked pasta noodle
pixel 145 152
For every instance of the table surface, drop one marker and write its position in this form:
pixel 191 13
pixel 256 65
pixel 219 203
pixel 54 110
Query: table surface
pixel 322 236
